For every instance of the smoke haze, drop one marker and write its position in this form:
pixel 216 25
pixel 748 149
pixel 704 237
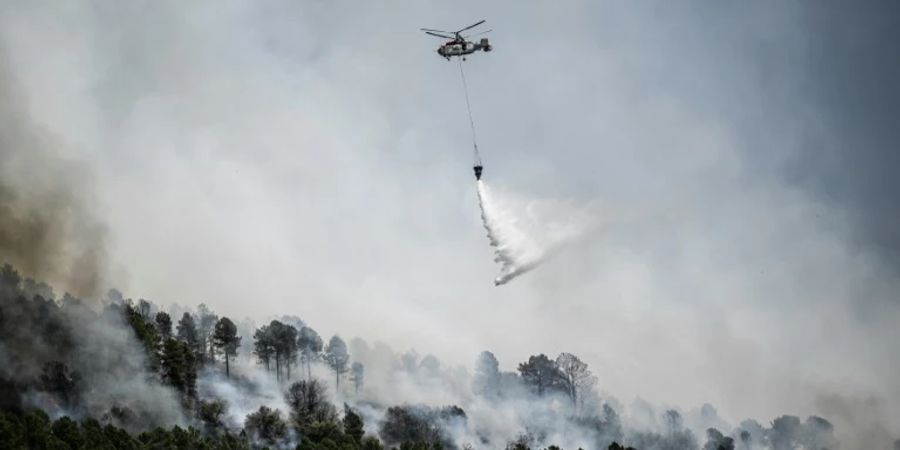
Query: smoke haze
pixel 312 159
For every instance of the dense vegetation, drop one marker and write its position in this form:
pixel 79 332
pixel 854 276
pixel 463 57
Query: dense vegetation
pixel 125 374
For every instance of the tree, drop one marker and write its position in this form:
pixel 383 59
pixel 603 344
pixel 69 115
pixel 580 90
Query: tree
pixel 144 308
pixel 752 434
pixel 292 320
pixel 353 424
pixel 12 432
pixel 9 280
pixel 610 425
pixel 65 385
pixel 676 435
pixel 309 403
pixel 421 425
pixel 164 325
pixel 146 333
pixel 487 376
pixel 38 432
pixel 337 358
pixel 818 433
pixel 540 373
pixel 266 425
pixel 577 379
pixel 616 446
pixel 285 346
pixel 747 440
pixel 784 433
pixel 205 327
pixel 211 412
pixel 310 346
pixel 33 288
pixel 357 375
pixel 673 421
pixel 264 345
pixel 187 332
pixel 279 342
pixel 226 340
pixel 403 424
pixel 67 431
pixel 179 366
pixel 715 440
pixel 372 443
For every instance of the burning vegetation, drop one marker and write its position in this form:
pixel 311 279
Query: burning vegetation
pixel 125 374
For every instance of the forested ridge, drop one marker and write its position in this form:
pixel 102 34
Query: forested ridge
pixel 119 373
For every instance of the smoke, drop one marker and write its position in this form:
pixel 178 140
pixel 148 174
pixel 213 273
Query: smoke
pixel 409 393
pixel 68 359
pixel 862 422
pixel 248 388
pixel 524 234
pixel 203 114
pixel 47 229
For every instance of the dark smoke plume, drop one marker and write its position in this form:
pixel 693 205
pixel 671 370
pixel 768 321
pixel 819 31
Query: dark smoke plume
pixel 47 229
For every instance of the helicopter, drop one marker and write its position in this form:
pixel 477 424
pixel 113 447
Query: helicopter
pixel 458 44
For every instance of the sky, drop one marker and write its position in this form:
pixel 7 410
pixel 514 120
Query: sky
pixel 314 158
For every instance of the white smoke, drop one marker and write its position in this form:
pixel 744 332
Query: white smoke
pixel 524 233
pixel 248 388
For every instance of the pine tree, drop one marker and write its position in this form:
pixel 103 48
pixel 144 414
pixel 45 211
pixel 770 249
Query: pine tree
pixel 164 325
pixel 187 332
pixel 357 376
pixel 226 340
pixel 310 346
pixel 338 358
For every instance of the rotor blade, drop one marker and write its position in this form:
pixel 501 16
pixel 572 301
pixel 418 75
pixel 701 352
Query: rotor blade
pixel 445 36
pixel 471 26
pixel 436 31
pixel 476 34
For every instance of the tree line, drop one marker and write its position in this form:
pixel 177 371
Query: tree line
pixel 281 347
pixel 40 343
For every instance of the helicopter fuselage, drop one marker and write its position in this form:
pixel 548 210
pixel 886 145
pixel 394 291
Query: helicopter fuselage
pixel 462 48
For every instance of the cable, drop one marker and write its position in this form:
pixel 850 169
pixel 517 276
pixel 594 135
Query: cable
pixel 469 109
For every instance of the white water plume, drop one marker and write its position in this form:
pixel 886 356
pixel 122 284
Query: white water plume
pixel 525 233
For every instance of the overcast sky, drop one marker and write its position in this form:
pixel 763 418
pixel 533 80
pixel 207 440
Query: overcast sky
pixel 313 158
